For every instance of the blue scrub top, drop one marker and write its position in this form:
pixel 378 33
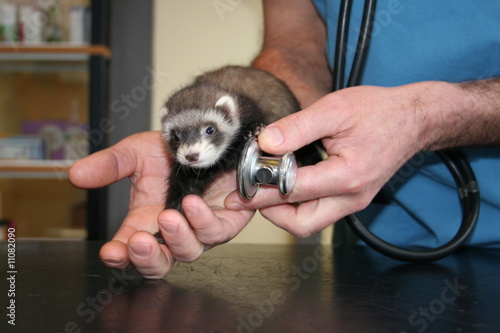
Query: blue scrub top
pixel 412 41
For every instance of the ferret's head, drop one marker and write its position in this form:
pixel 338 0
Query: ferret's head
pixel 198 137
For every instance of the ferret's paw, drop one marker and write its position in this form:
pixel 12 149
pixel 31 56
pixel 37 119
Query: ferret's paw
pixel 255 131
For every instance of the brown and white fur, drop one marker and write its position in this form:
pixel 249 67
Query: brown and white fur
pixel 205 125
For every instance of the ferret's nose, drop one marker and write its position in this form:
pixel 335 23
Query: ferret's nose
pixel 192 157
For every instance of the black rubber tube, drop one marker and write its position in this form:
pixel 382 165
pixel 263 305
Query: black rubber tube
pixel 455 161
pixel 363 43
pixel 464 176
pixel 340 47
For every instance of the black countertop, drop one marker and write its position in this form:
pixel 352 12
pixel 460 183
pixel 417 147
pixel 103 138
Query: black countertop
pixel 62 286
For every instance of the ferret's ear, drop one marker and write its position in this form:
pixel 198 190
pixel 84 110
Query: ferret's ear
pixel 163 112
pixel 228 103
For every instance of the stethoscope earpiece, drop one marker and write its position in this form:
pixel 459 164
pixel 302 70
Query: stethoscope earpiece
pixel 254 170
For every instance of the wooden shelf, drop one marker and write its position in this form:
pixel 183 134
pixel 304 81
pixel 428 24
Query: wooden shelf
pixel 39 169
pixel 54 49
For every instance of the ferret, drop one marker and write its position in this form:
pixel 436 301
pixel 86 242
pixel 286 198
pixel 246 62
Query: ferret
pixel 205 124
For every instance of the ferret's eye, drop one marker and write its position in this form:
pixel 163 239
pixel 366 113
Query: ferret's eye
pixel 176 137
pixel 210 130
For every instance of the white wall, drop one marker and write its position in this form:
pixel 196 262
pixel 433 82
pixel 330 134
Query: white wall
pixel 192 36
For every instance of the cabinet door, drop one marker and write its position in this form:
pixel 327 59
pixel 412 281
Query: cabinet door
pixel 53 93
pixel 44 126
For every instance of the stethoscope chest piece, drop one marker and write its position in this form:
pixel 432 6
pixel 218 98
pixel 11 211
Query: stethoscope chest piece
pixel 254 170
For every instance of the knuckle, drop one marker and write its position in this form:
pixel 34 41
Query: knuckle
pixel 299 229
pixel 187 258
pixel 301 233
pixel 354 188
pixel 154 275
pixel 358 182
pixel 363 202
pixel 212 239
pixel 152 270
pixel 186 251
pixel 366 200
pixel 358 201
pixel 295 123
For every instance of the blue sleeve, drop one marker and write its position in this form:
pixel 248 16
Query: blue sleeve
pixel 412 41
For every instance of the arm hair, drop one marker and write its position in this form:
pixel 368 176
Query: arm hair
pixel 462 115
pixel 294 48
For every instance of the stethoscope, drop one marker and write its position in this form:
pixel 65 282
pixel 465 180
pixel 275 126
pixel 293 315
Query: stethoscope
pixel 256 169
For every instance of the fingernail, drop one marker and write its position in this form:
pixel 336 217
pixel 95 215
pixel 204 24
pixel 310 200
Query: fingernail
pixel 141 250
pixel 112 261
pixel 169 227
pixel 273 135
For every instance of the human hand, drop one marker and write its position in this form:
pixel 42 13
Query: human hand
pixel 142 157
pixel 368 134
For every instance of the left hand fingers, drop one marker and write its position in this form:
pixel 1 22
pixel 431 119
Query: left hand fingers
pixel 115 253
pixel 216 226
pixel 202 229
pixel 179 237
pixel 150 258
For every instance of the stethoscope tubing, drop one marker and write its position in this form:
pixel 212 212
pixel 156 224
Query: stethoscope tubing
pixel 455 161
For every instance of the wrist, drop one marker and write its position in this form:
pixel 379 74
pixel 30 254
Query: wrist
pixel 464 114
pixel 441 109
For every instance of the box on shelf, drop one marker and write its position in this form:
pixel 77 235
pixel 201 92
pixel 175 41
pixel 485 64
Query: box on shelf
pixel 22 147
pixel 41 21
pixel 64 140
pixel 79 25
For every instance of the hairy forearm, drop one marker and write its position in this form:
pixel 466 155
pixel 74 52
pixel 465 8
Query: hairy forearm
pixel 308 80
pixel 458 115
pixel 293 48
